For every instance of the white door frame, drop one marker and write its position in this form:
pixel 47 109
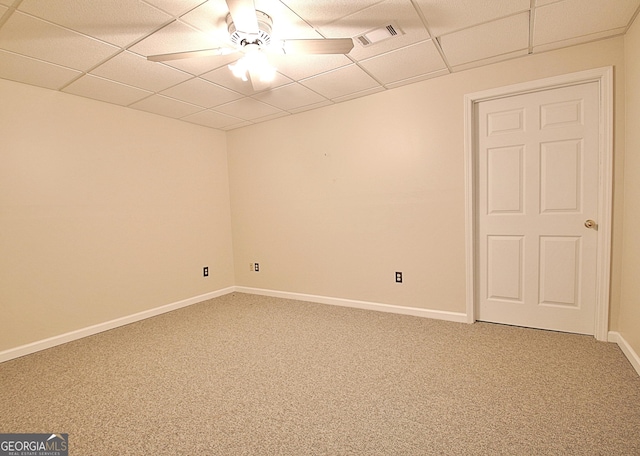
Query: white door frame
pixel 604 78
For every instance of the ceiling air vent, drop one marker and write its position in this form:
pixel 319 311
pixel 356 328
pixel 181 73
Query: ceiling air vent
pixel 376 35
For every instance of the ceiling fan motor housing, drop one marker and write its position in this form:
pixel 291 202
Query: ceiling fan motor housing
pixel 263 37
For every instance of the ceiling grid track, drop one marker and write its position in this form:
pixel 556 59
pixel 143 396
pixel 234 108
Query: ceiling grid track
pixel 532 16
pixel 11 9
pixel 122 49
pixel 435 39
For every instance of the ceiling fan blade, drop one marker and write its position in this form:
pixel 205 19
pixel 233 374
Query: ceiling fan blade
pixel 318 46
pixel 257 82
pixel 189 54
pixel 243 13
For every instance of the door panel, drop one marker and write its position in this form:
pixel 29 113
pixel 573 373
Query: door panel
pixel 505 268
pixel 505 172
pixel 561 114
pixel 559 270
pixel 537 184
pixel 560 176
pixel 505 122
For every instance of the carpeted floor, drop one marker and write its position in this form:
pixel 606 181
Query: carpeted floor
pixel 253 375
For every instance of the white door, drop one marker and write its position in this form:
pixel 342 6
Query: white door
pixel 537 208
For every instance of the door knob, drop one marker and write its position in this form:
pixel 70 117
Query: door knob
pixel 591 224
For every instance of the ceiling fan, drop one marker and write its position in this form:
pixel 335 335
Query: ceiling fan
pixel 250 33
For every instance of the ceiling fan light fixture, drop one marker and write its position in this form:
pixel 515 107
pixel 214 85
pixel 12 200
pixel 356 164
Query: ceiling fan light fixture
pixel 262 35
pixel 239 70
pixel 250 33
pixel 254 62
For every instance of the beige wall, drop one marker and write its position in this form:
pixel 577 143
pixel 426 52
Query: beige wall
pixel 333 201
pixel 104 212
pixel 629 320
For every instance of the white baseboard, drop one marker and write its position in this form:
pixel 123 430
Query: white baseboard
pixel 100 327
pixel 459 317
pixel 414 311
pixel 33 347
pixel 628 351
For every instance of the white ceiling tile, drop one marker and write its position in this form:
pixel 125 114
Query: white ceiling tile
pixel 201 93
pixel 104 90
pixel 579 40
pixel 300 66
pixel 119 22
pixel 247 109
pixel 392 67
pixel 401 12
pixel 36 38
pixel 166 106
pixel 341 82
pixel 213 119
pixel 224 77
pixel 490 60
pixel 176 37
pixel 175 7
pixel 290 97
pixel 311 106
pixel 271 117
pixel 422 77
pixel 362 93
pixel 319 13
pixel 211 18
pixel 586 17
pixel 137 71
pixel 35 72
pixel 233 127
pixel 445 16
pixel 286 24
pixel 489 39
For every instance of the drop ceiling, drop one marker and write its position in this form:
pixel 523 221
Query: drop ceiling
pixel 98 48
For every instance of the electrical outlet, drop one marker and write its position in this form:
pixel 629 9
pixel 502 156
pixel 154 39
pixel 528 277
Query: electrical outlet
pixel 256 267
pixel 398 277
pixel 205 271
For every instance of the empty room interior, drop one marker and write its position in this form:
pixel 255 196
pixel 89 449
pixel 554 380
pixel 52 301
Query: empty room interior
pixel 408 228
